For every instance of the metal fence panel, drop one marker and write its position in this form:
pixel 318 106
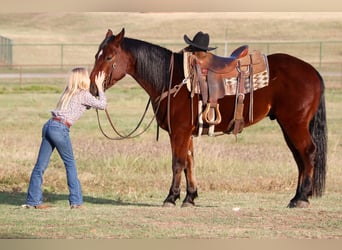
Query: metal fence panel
pixel 5 50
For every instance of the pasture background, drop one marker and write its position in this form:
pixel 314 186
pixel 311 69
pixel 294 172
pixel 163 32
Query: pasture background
pixel 125 182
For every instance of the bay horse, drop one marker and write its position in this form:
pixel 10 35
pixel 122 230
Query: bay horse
pixel 294 98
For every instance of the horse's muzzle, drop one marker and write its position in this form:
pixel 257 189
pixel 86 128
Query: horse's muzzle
pixel 93 89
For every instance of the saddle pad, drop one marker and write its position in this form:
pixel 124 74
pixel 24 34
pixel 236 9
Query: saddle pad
pixel 260 80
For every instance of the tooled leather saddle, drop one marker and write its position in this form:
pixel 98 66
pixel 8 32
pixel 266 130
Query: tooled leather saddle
pixel 213 77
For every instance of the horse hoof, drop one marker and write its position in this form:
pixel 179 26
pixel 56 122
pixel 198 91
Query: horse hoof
pixel 188 204
pixel 302 204
pixel 299 204
pixel 169 204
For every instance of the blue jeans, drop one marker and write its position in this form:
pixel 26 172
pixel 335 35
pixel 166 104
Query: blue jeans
pixel 54 135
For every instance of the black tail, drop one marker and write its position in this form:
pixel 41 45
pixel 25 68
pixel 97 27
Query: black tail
pixel 318 131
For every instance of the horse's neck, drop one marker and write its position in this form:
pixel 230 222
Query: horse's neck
pixel 152 74
pixel 150 90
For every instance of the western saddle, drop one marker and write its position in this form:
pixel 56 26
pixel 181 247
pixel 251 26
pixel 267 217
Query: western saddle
pixel 213 77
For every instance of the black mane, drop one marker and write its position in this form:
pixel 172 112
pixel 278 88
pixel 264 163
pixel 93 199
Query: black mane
pixel 152 62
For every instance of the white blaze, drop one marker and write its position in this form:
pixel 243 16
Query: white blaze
pixel 100 53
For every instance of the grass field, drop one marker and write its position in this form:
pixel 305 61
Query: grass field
pixel 244 186
pixel 125 182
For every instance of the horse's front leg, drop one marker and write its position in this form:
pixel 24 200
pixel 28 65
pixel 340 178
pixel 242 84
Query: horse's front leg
pixel 191 184
pixel 179 146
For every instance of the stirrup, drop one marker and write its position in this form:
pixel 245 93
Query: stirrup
pixel 206 115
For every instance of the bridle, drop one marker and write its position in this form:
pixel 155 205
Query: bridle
pixel 130 135
pixel 110 75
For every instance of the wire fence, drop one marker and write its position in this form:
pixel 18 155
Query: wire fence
pixel 60 53
pixel 28 60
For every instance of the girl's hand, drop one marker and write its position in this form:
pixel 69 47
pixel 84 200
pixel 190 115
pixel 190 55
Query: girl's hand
pixel 99 79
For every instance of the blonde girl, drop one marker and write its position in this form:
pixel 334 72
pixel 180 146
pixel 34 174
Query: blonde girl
pixel 75 99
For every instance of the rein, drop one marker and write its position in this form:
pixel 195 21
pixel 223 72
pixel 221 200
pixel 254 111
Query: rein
pixel 130 134
pixel 169 95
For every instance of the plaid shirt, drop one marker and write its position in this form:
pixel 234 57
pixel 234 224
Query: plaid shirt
pixel 81 101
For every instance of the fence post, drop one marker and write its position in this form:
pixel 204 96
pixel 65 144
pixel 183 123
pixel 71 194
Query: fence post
pixel 62 55
pixel 225 42
pixel 225 48
pixel 320 53
pixel 21 76
pixel 10 53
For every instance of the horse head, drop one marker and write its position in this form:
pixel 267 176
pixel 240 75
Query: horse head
pixel 110 59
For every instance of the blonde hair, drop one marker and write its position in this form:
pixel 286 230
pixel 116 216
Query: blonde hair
pixel 78 79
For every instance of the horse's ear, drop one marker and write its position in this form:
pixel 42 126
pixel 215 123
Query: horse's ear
pixel 109 33
pixel 119 37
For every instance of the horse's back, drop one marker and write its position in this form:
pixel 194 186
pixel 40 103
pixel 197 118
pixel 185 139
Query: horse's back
pixel 293 68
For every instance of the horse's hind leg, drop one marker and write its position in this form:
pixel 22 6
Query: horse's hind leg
pixel 303 149
pixel 191 184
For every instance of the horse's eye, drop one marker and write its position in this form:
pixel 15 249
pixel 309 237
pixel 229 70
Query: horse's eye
pixel 109 58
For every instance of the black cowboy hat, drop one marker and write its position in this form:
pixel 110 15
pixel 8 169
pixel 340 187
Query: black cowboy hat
pixel 200 41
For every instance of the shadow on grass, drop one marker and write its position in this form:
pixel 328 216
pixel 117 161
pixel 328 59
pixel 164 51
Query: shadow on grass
pixel 19 198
